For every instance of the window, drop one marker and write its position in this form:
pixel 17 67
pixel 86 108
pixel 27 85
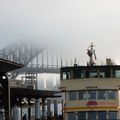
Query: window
pixel 71 116
pixel 117 73
pixel 81 115
pixel 111 95
pixel 92 115
pixel 93 74
pixel 102 74
pixel 65 75
pixel 87 74
pixel 102 115
pixel 73 95
pixel 91 95
pixel 102 95
pixel 76 73
pixel 112 115
pixel 82 74
pixel 82 95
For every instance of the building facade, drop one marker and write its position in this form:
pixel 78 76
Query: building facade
pixel 91 92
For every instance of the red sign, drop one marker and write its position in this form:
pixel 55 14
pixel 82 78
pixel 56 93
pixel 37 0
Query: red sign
pixel 89 103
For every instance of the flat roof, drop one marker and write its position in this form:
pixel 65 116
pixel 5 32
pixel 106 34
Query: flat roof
pixel 6 66
pixel 91 67
pixel 31 93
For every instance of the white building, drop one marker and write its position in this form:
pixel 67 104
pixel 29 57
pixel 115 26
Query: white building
pixel 91 92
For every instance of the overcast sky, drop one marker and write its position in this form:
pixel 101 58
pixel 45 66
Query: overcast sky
pixel 66 26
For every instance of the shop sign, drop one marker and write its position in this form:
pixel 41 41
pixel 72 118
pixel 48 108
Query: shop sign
pixel 92 103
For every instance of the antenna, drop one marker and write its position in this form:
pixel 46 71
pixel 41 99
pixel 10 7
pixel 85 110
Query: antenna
pixel 91 52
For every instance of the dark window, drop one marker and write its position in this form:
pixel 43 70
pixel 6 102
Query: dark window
pixel 102 115
pixel 87 74
pixel 71 116
pixel 102 95
pixel 73 95
pixel 92 115
pixel 105 73
pixel 81 115
pixel 111 95
pixel 76 73
pixel 82 95
pixel 112 115
pixel 91 95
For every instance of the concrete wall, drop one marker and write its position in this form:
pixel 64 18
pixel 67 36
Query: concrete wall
pixel 99 83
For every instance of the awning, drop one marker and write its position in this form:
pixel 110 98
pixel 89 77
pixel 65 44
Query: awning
pixel 6 66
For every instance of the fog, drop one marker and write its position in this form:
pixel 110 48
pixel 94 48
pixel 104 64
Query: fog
pixel 64 26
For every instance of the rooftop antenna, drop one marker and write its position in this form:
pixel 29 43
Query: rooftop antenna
pixel 91 52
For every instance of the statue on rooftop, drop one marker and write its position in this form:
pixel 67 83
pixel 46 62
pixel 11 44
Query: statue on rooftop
pixel 91 52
